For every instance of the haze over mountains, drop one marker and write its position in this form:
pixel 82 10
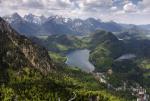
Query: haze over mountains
pixel 33 25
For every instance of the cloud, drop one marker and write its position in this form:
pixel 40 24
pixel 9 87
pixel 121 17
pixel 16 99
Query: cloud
pixel 103 9
pixel 97 3
pixel 113 8
pixel 57 5
pixel 32 4
pixel 130 7
pixel 144 6
pixel 145 2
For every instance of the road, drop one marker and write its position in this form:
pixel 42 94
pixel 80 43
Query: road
pixel 73 98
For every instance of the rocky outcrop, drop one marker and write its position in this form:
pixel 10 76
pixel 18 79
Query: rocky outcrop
pixel 17 51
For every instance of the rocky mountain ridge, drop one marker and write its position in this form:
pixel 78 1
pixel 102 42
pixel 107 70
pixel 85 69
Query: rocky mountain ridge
pixel 41 25
pixel 18 51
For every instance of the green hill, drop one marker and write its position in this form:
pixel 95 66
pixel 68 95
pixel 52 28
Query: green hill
pixel 105 48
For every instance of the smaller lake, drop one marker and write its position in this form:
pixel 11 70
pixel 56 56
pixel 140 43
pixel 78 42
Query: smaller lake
pixel 126 57
pixel 80 58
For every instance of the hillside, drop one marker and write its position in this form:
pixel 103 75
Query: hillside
pixel 126 60
pixel 105 47
pixel 19 52
pixel 60 43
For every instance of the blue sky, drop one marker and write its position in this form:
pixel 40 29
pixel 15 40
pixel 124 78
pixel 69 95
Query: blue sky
pixel 123 11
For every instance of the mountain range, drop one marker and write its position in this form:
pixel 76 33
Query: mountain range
pixel 32 25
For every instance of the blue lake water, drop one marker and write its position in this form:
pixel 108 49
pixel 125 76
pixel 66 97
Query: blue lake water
pixel 80 59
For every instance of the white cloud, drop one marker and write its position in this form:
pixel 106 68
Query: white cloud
pixel 114 8
pixel 130 7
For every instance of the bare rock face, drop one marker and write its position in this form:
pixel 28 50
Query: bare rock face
pixel 17 51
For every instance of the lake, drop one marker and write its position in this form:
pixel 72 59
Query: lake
pixel 80 59
pixel 126 57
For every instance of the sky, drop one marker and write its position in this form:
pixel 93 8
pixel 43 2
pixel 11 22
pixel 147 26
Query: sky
pixel 122 11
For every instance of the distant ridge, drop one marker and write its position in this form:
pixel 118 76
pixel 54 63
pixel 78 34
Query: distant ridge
pixel 41 25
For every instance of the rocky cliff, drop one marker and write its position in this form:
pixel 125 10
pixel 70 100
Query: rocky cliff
pixel 17 51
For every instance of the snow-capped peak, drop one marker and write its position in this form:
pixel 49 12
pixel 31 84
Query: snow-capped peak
pixel 13 18
pixel 34 19
pixel 59 19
